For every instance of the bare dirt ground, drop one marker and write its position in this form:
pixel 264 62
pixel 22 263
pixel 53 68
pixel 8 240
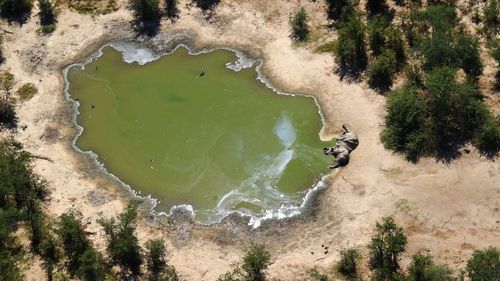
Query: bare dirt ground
pixel 447 209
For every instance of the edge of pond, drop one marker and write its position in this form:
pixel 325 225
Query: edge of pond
pixel 243 61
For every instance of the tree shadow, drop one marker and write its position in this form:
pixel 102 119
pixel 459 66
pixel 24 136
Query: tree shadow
pixel 348 74
pixel 149 28
pixel 206 5
pixel 16 17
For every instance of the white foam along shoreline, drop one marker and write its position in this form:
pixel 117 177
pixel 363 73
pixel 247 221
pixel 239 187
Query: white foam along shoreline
pixel 135 52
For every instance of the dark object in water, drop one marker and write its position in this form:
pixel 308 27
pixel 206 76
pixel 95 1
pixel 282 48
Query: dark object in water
pixel 202 73
pixel 346 143
pixel 93 106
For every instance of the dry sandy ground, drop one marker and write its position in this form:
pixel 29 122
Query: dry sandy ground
pixel 447 209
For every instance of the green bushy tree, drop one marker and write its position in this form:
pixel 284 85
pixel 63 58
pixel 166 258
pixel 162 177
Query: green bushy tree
pixel 122 244
pixel 376 34
pixel 484 265
pixel 386 248
pixel 171 9
pixel 350 48
pixel 15 10
pixel 348 264
pixel 381 72
pixel 91 266
pixel 74 239
pixel 255 262
pixel 298 24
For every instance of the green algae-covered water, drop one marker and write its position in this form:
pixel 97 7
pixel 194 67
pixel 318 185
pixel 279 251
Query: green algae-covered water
pixel 219 143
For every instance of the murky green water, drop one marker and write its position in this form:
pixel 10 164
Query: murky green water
pixel 221 142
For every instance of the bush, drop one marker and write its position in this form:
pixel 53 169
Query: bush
pixel 487 138
pixel 339 9
pixel 484 265
pixel 92 266
pixel 467 49
pixel 74 240
pixel 315 275
pixel 47 16
pixel 396 44
pixel 157 264
pixel 257 259
pixel 171 9
pixel 328 47
pixel 350 48
pixel 413 76
pixel 15 10
pixel 122 244
pixel 380 73
pixel 491 16
pixel 298 23
pixel 386 248
pixel 376 33
pixel 347 266
pixel 27 91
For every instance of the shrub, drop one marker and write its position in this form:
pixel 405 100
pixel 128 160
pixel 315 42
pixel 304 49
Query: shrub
pixel 339 9
pixel 27 91
pixel 350 48
pixel 15 10
pixel 255 262
pixel 413 76
pixel 315 275
pixel 386 248
pixel 376 33
pixel 347 266
pixel 92 266
pixel 487 138
pixel 171 9
pixel 122 244
pixel 380 73
pixel 328 47
pixel 467 49
pixel 157 264
pixel 73 237
pixel 298 23
pixel 47 16
pixel 491 15
pixel 396 44
pixel 484 265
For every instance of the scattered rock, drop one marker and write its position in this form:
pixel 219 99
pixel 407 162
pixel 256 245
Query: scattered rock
pixel 346 143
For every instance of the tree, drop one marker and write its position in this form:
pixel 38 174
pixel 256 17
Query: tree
pixel 386 248
pixel 491 16
pixel 155 257
pixel 350 48
pixel 73 237
pixel 340 9
pixel 298 23
pixel 255 262
pixel 347 266
pixel 380 73
pixel 396 44
pixel 376 33
pixel 50 254
pixel 47 16
pixel 15 10
pixel 8 115
pixel 484 265
pixel 206 4
pixel 91 266
pixel 171 9
pixel 122 244
pixel 257 259
pixel 467 48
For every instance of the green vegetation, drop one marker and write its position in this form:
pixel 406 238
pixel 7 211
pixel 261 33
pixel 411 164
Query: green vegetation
pixel 348 264
pixel 27 91
pixel 47 16
pixel 156 262
pixel 298 23
pixel 386 248
pixel 315 275
pixel 381 71
pixel 146 10
pixel 484 265
pixel 350 47
pixel 328 47
pixel 171 10
pixel 491 17
pixel 255 262
pixel 8 117
pixel 422 268
pixel 89 6
pixel 206 4
pixel 15 10
pixel 123 247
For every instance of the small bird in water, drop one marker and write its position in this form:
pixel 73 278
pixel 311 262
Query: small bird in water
pixel 202 73
pixel 93 106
